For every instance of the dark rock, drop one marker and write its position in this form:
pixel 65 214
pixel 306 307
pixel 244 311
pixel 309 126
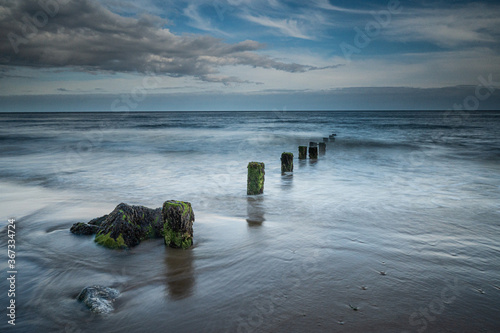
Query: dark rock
pixel 178 218
pixel 98 220
pixel 127 226
pixel 81 228
pixel 98 299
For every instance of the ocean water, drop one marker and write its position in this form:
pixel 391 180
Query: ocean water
pixel 396 228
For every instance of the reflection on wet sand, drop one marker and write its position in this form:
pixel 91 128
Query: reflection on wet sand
pixel 313 162
pixel 255 210
pixel 287 181
pixel 179 273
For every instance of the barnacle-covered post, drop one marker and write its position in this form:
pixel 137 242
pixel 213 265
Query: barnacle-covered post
pixel 255 180
pixel 313 153
pixel 286 162
pixel 302 152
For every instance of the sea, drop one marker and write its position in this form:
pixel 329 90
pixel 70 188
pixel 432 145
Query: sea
pixel 395 228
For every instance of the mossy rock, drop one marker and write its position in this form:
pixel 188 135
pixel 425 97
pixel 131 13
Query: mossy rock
pixel 126 226
pixel 178 218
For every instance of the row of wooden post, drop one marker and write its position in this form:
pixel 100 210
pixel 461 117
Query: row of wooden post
pixel 256 170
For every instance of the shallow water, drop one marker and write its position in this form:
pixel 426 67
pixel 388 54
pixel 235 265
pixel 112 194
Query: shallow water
pixel 400 219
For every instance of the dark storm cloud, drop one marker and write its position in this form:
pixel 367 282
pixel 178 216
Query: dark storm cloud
pixel 85 36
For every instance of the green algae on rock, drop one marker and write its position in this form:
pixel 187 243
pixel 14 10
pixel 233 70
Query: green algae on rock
pixel 177 219
pixel 286 162
pixel 126 226
pixel 302 152
pixel 255 180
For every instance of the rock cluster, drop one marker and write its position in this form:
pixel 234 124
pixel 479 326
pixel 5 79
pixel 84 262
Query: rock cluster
pixel 126 226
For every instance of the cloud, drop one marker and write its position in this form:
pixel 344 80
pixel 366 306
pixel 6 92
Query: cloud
pixel 85 36
pixel 325 4
pixel 447 27
pixel 198 22
pixel 288 27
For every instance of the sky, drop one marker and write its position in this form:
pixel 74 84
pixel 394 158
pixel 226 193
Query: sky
pixel 121 55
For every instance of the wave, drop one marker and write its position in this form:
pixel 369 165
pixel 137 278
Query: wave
pixel 376 144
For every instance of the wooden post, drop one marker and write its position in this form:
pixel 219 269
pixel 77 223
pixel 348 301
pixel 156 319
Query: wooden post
pixel 302 152
pixel 313 144
pixel 286 162
pixel 178 218
pixel 325 139
pixel 313 153
pixel 255 181
pixel 322 147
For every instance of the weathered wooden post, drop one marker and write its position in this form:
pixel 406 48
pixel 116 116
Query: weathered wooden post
pixel 325 139
pixel 255 180
pixel 322 147
pixel 302 152
pixel 313 144
pixel 313 153
pixel 286 162
pixel 178 218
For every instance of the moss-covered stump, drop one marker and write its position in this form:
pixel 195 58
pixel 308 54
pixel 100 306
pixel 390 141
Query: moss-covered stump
pixel 302 152
pixel 286 162
pixel 126 226
pixel 313 153
pixel 255 180
pixel 178 218
pixel 322 147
